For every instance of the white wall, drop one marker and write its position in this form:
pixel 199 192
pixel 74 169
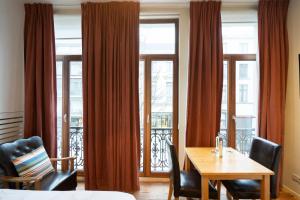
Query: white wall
pixel 292 123
pixel 11 55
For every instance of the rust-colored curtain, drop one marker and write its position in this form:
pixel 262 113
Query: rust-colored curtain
pixel 40 75
pixel 205 74
pixel 273 53
pixel 110 95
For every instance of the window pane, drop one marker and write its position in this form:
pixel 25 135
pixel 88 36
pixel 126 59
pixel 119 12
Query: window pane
pixel 59 71
pixel 141 100
pixel 161 113
pixel 68 34
pixel 157 38
pixel 246 104
pixel 243 71
pixel 76 113
pixel 239 38
pixel 224 106
pixel 68 46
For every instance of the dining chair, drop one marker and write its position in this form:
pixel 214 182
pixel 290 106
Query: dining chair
pixel 267 154
pixel 182 183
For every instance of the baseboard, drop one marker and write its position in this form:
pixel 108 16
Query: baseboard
pixel 287 189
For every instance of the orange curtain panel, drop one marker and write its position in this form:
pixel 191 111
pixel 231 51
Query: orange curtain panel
pixel 110 95
pixel 40 75
pixel 205 79
pixel 273 61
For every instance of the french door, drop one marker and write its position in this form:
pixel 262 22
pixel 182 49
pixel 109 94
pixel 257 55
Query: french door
pixel 70 108
pixel 158 93
pixel 158 111
pixel 239 101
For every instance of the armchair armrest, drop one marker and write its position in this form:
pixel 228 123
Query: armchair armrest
pixel 18 180
pixel 67 161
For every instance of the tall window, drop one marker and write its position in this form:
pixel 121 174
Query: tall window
pixel 69 87
pixel 158 93
pixel 240 86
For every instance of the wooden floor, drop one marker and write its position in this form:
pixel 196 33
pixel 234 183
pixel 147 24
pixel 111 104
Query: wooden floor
pixel 159 191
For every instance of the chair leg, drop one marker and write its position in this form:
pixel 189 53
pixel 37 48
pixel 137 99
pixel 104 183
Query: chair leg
pixel 229 197
pixel 170 190
pixel 219 189
pixel 176 198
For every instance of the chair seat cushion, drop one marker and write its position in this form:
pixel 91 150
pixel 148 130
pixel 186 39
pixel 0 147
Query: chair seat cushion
pixel 190 185
pixel 244 189
pixel 60 181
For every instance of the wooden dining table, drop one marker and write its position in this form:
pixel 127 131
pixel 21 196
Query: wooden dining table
pixel 231 166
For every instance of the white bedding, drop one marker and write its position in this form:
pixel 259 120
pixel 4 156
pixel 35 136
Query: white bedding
pixel 6 194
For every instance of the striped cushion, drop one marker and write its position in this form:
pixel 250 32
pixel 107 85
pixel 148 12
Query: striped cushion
pixel 33 164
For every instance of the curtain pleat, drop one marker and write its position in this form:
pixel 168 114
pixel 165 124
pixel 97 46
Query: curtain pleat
pixel 205 79
pixel 110 95
pixel 40 75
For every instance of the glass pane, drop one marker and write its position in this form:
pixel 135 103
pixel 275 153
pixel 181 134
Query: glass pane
pixel 161 113
pixel 68 34
pixel 68 47
pixel 67 26
pixel 246 104
pixel 59 71
pixel 224 106
pixel 76 113
pixel 157 38
pixel 239 38
pixel 141 100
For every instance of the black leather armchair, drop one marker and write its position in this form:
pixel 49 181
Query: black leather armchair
pixel 267 154
pixel 58 180
pixel 185 184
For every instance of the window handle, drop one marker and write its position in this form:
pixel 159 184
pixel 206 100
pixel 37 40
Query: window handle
pixel 65 118
pixel 234 117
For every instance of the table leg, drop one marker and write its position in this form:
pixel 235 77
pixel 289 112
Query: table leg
pixel 265 187
pixel 187 164
pixel 204 188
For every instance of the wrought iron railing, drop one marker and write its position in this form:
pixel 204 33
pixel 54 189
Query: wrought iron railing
pixel 141 150
pixel 159 160
pixel 244 137
pixel 76 146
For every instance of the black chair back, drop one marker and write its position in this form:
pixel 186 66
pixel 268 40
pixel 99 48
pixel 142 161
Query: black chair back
pixel 12 150
pixel 267 154
pixel 174 166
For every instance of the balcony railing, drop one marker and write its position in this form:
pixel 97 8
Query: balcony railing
pixel 159 161
pixel 158 148
pixel 244 137
pixel 76 146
